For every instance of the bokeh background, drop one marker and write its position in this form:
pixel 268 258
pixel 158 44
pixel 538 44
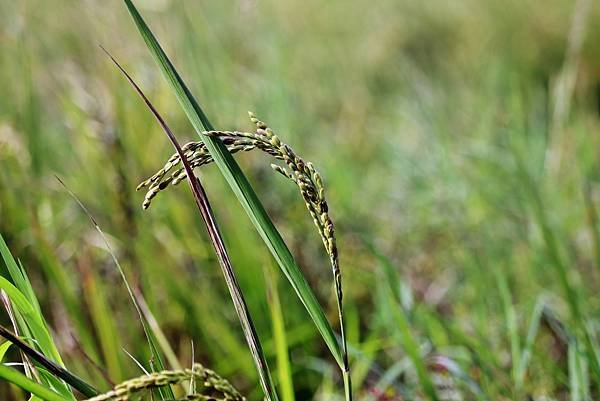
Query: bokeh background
pixel 459 144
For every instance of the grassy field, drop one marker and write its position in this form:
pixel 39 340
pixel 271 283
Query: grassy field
pixel 459 146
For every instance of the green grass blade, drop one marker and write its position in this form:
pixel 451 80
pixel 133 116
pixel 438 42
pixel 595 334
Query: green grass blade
pixel 593 221
pixel 411 347
pixel 284 371
pixel 17 274
pixel 157 332
pixel 26 303
pixel 3 348
pixel 405 335
pixel 510 316
pixel 532 331
pixel 241 188
pixel 21 294
pixel 52 367
pixel 15 377
pixel 32 323
pixel 578 380
pixel 103 321
pixel 551 241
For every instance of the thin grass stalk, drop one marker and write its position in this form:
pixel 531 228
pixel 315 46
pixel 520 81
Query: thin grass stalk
pixel 158 333
pixel 167 392
pixel 209 220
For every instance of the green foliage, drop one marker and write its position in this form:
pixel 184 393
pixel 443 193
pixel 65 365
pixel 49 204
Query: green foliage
pixel 13 376
pixel 29 315
pixel 433 126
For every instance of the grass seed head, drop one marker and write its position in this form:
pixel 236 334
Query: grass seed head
pixel 302 173
pixel 212 386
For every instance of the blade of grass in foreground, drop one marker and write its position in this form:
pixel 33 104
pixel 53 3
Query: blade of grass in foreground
pixel 52 367
pixel 217 240
pixel 241 188
pixel 19 379
pixel 28 318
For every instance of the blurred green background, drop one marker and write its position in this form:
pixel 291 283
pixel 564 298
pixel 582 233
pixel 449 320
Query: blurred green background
pixel 459 143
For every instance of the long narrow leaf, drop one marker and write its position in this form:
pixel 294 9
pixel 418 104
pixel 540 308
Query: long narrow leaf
pixel 217 240
pixel 57 370
pixel 29 322
pixel 3 348
pixel 241 188
pixel 18 276
pixel 284 370
pixel 21 294
pixel 411 346
pixel 532 331
pixel 19 379
pixel 28 319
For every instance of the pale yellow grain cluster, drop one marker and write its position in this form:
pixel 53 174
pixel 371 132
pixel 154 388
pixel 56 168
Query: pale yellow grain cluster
pixel 207 386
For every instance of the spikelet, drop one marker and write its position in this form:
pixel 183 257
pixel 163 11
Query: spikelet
pixel 213 386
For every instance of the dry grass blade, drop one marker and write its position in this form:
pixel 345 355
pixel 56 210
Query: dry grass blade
pixel 216 238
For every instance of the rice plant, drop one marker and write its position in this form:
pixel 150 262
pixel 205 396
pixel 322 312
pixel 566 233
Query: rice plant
pixel 302 173
pixel 454 188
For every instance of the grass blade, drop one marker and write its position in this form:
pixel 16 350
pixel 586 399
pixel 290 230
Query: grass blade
pixel 510 316
pixel 217 240
pixel 54 368
pixel 17 378
pixel 562 270
pixel 578 380
pixel 241 188
pixel 284 371
pixel 160 337
pixel 21 294
pixel 410 345
pixel 28 319
pixel 405 335
pixel 3 348
pixel 94 294
pixel 532 331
